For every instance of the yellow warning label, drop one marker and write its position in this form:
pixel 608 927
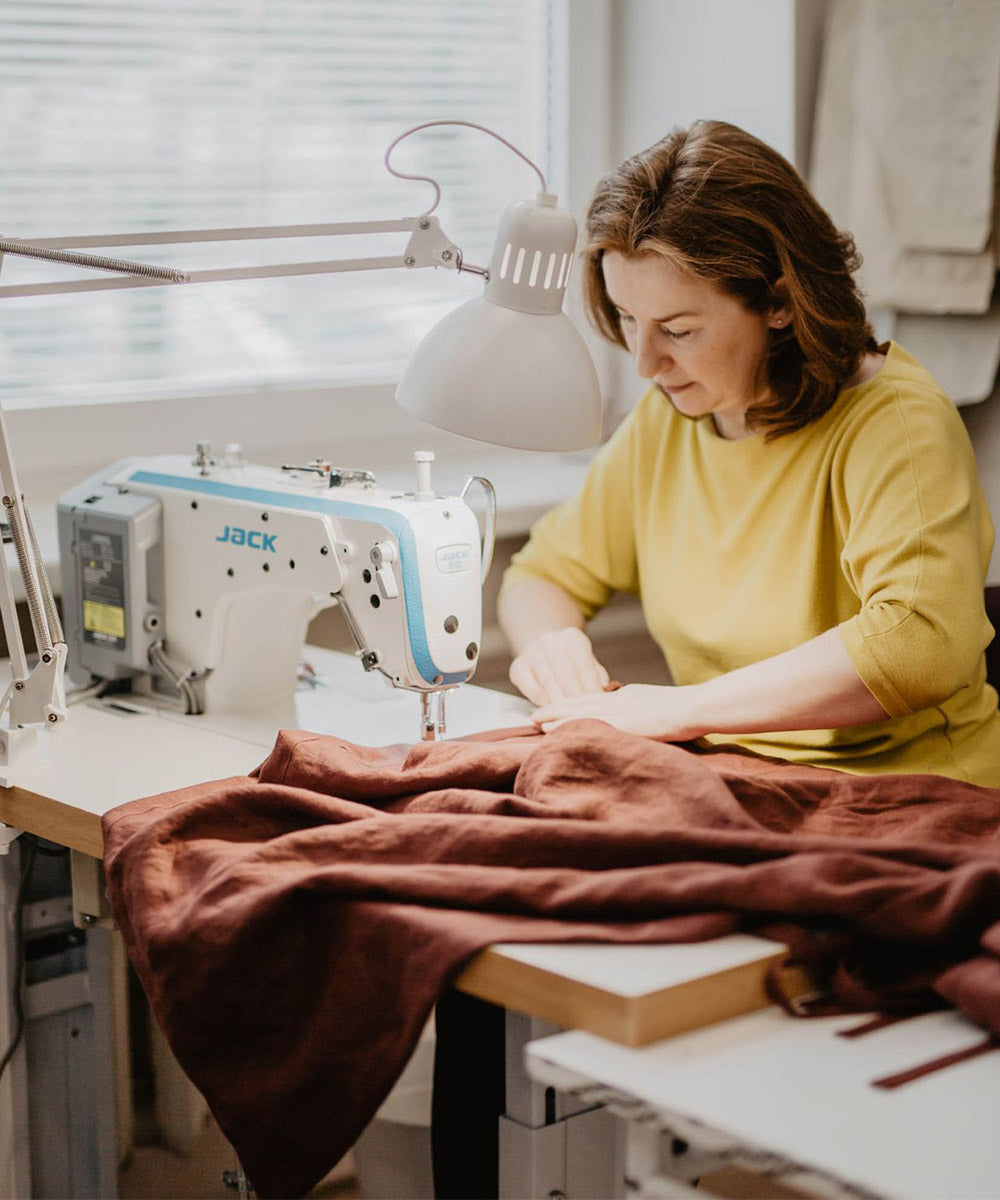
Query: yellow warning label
pixel 103 618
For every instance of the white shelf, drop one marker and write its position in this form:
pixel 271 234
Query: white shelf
pixel 792 1088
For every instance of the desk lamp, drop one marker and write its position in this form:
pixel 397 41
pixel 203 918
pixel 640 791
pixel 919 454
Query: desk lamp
pixel 508 368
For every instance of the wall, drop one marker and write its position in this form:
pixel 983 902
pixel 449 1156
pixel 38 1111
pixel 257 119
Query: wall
pixel 730 59
pixel 751 62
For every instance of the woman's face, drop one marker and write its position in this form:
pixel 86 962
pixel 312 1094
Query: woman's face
pixel 704 349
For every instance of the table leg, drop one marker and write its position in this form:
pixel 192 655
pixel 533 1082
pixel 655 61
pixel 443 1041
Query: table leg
pixel 468 1097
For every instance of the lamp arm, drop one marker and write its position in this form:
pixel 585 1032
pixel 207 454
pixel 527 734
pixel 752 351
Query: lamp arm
pixel 36 695
pixel 429 246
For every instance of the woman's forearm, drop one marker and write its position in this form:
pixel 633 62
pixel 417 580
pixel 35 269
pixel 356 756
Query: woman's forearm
pixel 533 607
pixel 813 686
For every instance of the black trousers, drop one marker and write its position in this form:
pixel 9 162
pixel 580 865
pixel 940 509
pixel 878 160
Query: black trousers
pixel 468 1098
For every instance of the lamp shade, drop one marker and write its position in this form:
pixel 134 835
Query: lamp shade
pixel 510 368
pixel 505 377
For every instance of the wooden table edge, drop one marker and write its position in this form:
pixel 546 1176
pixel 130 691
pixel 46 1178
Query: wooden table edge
pixel 634 1020
pixel 53 820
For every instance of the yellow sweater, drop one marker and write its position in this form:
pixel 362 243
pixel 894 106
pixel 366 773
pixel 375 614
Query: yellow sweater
pixel 870 519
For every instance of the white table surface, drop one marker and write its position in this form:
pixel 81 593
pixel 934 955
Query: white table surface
pixel 110 752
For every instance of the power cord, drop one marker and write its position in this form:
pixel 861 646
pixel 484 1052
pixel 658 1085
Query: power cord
pixel 182 680
pixel 433 182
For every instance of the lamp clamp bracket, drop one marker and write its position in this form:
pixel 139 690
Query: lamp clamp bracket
pixel 430 246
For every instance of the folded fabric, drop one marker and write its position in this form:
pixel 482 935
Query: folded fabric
pixel 293 929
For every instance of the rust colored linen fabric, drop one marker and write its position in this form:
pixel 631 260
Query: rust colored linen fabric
pixel 293 929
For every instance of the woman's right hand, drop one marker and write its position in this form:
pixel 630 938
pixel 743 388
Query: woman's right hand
pixel 558 664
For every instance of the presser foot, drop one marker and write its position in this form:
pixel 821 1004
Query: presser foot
pixel 432 721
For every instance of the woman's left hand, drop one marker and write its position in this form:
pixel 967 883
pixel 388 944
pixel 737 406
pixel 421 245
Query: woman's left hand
pixel 665 713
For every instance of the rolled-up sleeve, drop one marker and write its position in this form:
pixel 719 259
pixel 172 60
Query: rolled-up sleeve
pixel 916 542
pixel 586 546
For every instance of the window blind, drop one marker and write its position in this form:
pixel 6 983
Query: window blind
pixel 143 115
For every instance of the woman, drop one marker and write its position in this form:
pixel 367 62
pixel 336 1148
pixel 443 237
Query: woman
pixel 797 507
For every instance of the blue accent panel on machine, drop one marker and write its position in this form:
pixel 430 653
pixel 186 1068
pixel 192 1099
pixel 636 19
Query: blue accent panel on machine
pixel 335 508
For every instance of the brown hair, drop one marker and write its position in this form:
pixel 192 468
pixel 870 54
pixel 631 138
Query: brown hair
pixel 728 208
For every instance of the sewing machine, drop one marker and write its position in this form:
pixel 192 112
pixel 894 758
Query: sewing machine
pixel 195 579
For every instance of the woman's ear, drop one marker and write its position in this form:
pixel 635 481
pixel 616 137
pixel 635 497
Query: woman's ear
pixel 780 313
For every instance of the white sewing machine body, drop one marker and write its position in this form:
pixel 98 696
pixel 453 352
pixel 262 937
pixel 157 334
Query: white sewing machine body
pixel 181 574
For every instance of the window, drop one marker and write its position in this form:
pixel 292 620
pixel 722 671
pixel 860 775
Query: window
pixel 124 115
